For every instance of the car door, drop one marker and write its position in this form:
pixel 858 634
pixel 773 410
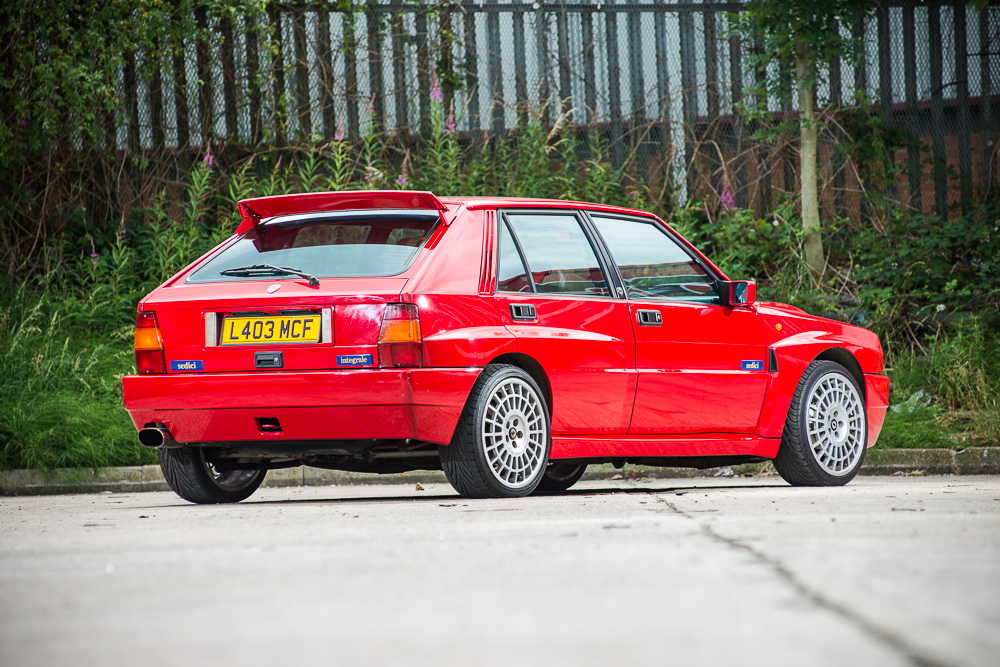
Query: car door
pixel 702 366
pixel 555 298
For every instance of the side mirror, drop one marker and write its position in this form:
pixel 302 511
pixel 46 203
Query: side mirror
pixel 738 292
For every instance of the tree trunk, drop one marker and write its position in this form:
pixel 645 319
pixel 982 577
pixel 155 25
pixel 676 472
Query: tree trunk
pixel 813 240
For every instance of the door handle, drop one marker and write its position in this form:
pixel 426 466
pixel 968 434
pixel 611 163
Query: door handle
pixel 522 312
pixel 649 318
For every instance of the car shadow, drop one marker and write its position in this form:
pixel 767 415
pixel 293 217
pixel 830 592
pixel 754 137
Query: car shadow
pixel 454 500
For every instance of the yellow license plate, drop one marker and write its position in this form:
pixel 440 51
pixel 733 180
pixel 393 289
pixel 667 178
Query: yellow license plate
pixel 271 329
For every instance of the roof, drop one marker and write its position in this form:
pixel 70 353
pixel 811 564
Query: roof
pixel 475 203
pixel 260 208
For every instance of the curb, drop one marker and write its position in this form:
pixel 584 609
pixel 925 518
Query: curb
pixel 131 479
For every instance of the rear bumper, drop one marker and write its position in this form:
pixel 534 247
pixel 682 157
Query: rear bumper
pixel 422 404
pixel 877 393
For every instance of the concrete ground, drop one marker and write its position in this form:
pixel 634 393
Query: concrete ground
pixel 886 571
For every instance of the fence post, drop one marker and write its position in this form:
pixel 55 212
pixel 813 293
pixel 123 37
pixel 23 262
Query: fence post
pixel 712 92
pixel 156 97
pixel 471 70
pixel 399 66
pixel 542 55
pixel 520 69
pixel 962 81
pixel 638 86
pixel 373 22
pixel 861 94
pixel 565 86
pixel 350 30
pixel 739 165
pixel 663 118
pixel 688 95
pixel 885 91
pixel 446 65
pixel 205 112
pixel 986 128
pixel 614 90
pixel 278 70
pixel 764 158
pixel 495 69
pixel 914 168
pixel 229 79
pixel 324 54
pixel 131 103
pixel 252 36
pixel 837 155
pixel 423 70
pixel 937 111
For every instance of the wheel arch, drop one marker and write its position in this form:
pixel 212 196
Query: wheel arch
pixel 530 366
pixel 847 360
pixel 793 357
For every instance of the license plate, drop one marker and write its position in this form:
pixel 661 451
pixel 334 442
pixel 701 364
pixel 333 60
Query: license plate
pixel 271 329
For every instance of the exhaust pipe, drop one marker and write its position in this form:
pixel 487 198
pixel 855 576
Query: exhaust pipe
pixel 157 437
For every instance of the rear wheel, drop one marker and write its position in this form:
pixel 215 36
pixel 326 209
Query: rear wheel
pixel 193 476
pixel 826 431
pixel 560 477
pixel 501 445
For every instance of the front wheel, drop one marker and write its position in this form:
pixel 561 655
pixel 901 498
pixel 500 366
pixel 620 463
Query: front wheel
pixel 501 444
pixel 190 472
pixel 826 431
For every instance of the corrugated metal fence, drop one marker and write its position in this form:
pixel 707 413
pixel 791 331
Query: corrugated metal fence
pixel 656 76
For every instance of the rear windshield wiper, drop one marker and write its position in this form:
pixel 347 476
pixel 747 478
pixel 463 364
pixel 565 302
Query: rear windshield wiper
pixel 269 270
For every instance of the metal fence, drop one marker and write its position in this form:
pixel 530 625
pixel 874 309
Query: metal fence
pixel 662 79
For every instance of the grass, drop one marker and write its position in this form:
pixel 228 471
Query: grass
pixel 948 394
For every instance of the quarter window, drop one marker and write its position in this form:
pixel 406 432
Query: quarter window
pixel 653 266
pixel 511 275
pixel 557 253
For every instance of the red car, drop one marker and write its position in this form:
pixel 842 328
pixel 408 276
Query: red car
pixel 509 342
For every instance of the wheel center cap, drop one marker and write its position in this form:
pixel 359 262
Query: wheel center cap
pixel 516 430
pixel 837 424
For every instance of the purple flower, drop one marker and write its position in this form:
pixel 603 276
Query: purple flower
pixel 727 200
pixel 339 134
pixel 436 90
pixel 208 159
pixel 449 124
pixel 93 258
pixel 401 180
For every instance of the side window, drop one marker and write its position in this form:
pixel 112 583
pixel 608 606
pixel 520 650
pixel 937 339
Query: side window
pixel 558 254
pixel 653 265
pixel 511 276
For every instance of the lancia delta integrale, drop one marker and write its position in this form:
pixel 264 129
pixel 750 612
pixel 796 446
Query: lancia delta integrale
pixel 508 342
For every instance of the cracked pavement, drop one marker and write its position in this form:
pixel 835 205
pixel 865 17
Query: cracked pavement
pixel 885 571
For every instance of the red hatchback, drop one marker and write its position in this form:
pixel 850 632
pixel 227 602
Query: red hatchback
pixel 509 342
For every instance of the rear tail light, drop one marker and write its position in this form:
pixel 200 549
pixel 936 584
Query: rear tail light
pixel 399 338
pixel 148 345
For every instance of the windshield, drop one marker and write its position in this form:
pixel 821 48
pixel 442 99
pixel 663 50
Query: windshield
pixel 365 243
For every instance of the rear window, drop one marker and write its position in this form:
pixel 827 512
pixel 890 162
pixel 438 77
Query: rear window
pixel 331 245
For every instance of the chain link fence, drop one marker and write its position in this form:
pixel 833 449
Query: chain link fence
pixel 661 81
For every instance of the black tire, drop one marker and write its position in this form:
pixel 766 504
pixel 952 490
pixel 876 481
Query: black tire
pixel 826 431
pixel 190 473
pixel 560 477
pixel 501 444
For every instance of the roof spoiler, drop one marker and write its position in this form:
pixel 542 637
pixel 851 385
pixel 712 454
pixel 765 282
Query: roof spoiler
pixel 261 208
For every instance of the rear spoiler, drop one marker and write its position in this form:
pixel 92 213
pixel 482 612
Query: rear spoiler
pixel 255 210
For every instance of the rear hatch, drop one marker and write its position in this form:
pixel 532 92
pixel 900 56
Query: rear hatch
pixel 296 292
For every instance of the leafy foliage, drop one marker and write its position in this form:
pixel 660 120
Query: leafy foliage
pixel 779 31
